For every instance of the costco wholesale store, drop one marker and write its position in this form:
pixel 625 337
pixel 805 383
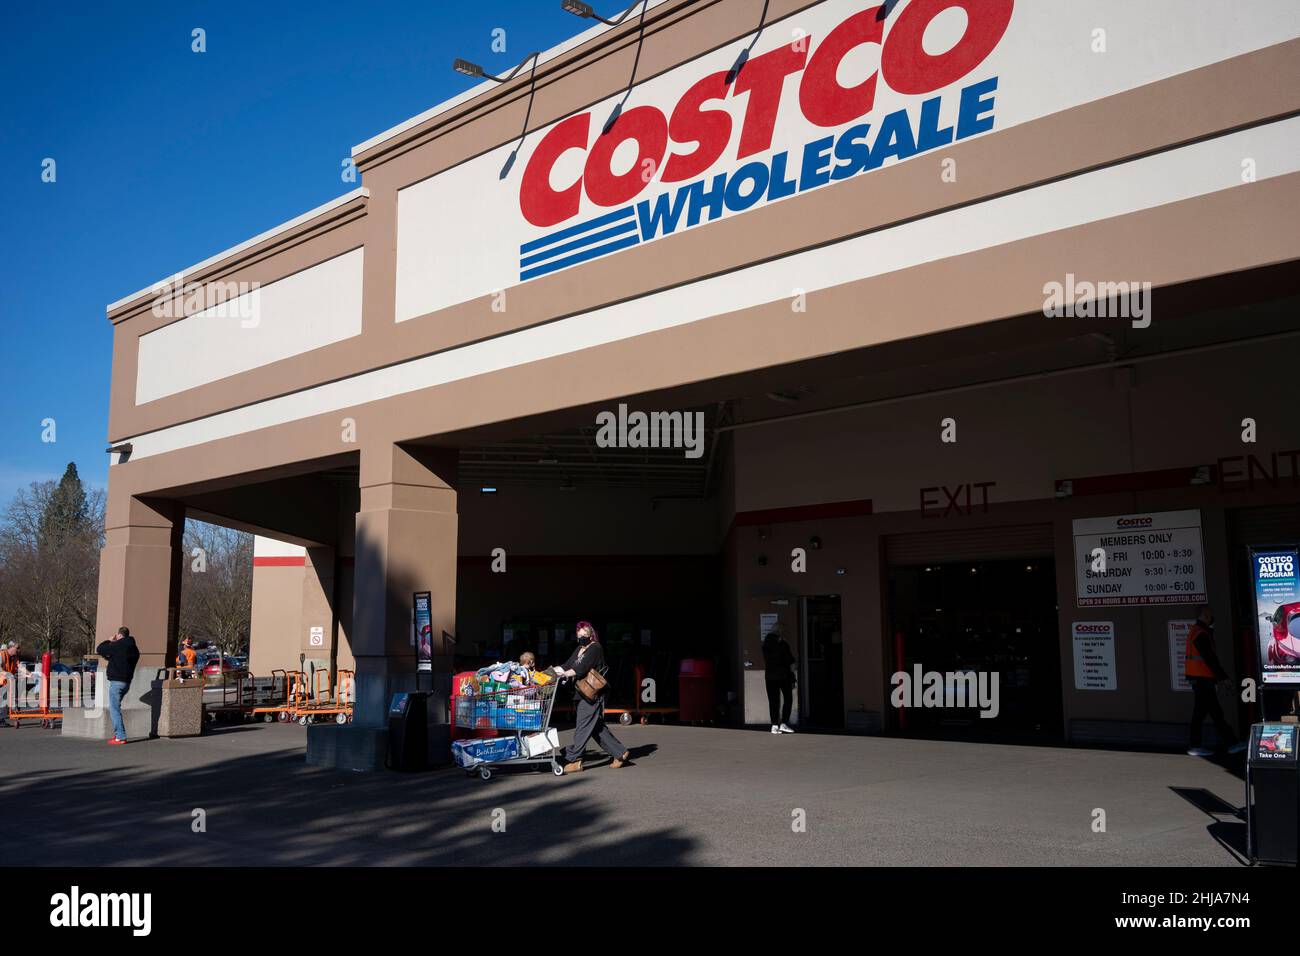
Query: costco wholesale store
pixel 865 324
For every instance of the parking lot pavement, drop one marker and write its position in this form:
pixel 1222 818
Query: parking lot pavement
pixel 692 796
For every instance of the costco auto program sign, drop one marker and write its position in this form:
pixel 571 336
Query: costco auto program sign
pixel 1139 559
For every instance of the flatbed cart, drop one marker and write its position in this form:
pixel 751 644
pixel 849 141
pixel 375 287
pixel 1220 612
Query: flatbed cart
pixel 279 702
pixel 237 698
pixel 325 703
pixel 532 706
pixel 42 712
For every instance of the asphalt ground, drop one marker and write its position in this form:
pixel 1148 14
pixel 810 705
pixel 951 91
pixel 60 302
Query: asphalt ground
pixel 692 796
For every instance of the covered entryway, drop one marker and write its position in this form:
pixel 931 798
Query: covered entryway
pixel 979 601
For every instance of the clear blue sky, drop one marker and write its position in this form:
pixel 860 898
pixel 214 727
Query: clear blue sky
pixel 165 157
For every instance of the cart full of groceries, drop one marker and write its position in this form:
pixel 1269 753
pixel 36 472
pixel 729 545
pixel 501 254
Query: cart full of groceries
pixel 515 702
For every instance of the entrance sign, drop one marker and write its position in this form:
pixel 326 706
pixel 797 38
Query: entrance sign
pixel 1178 654
pixel 423 604
pixel 1154 558
pixel 1094 655
pixel 1275 579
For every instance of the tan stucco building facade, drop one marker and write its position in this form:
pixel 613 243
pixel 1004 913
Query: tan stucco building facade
pixel 835 234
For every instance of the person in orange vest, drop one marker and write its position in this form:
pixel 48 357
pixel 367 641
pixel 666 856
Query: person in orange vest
pixel 8 678
pixel 1205 672
pixel 187 658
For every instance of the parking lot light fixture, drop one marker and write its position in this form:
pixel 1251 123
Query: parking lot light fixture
pixel 584 10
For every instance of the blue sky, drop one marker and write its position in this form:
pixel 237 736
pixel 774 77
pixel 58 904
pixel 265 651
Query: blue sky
pixel 166 156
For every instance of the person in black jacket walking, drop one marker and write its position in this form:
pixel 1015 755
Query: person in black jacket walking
pixel 122 656
pixel 778 675
pixel 590 714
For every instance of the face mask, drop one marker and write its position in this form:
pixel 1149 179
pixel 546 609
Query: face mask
pixel 584 639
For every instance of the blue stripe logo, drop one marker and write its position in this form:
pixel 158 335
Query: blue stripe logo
pixel 574 244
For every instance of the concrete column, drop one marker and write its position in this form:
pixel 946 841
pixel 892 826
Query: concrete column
pixel 139 587
pixel 406 530
pixel 317 609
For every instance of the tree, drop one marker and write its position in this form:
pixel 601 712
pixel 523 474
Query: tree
pixel 49 564
pixel 217 585
pixel 65 513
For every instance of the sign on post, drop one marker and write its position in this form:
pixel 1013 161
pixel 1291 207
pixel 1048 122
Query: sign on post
pixel 1275 577
pixel 423 617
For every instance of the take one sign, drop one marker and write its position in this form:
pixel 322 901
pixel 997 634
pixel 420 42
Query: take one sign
pixel 836 91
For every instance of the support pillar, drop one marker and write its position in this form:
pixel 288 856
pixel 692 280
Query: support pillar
pixel 318 611
pixel 139 587
pixel 406 530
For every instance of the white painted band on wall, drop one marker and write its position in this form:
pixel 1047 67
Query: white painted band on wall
pixel 304 311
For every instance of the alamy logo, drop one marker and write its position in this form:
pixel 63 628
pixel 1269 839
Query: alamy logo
pixel 651 430
pixel 946 689
pixel 180 300
pixel 75 909
pixel 1098 300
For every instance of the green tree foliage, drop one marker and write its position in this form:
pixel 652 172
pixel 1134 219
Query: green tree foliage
pixel 50 537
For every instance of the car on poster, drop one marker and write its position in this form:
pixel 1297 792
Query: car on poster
pixel 1275 574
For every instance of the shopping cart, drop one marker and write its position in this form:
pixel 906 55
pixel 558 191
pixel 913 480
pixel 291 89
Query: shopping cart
pixel 521 712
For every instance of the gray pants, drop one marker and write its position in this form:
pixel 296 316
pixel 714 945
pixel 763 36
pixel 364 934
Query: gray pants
pixel 591 723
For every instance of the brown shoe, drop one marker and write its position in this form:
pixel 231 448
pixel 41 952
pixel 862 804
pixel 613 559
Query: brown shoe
pixel 575 767
pixel 620 761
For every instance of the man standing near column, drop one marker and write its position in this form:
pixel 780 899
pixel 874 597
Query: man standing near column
pixel 122 656
pixel 1204 673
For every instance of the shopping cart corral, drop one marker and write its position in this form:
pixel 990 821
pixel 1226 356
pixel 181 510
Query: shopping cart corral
pixel 522 718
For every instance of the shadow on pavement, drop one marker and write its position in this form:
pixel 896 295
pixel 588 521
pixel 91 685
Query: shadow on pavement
pixel 1229 834
pixel 271 809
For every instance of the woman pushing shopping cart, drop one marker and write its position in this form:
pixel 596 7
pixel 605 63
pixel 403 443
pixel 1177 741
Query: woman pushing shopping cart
pixel 508 697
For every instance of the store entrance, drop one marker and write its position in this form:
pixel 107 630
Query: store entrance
pixel 821 662
pixel 993 620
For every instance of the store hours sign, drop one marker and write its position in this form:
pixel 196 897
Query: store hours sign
pixel 1154 558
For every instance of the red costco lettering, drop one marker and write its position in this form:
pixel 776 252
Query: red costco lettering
pixel 691 123
pixel 905 67
pixel 763 78
pixel 909 69
pixel 647 126
pixel 821 97
pixel 540 204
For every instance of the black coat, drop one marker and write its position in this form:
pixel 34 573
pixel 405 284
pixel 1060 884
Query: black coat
pixel 777 662
pixel 122 656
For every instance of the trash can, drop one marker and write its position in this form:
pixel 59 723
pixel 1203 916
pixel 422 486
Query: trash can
pixel 1272 793
pixel 177 704
pixel 408 732
pixel 696 691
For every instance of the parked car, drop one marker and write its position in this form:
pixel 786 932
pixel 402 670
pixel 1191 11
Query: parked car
pixel 215 669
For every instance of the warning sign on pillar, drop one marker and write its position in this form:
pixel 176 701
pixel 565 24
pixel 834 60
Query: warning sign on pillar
pixel 317 637
pixel 1094 655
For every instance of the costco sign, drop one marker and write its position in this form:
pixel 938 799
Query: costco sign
pixel 835 91
pixel 716 141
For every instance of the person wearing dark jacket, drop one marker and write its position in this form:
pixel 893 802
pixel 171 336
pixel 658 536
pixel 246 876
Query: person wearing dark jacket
pixel 590 715
pixel 1204 672
pixel 122 656
pixel 778 675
